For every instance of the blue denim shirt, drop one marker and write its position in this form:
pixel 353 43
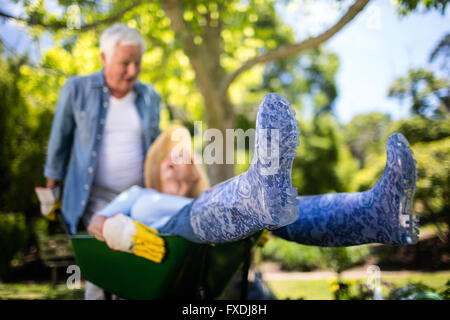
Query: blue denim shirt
pixel 76 134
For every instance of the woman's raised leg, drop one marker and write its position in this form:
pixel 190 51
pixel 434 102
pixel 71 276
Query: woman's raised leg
pixel 260 198
pixel 382 214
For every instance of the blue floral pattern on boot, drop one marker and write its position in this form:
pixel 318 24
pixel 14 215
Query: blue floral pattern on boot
pixel 382 214
pixel 262 197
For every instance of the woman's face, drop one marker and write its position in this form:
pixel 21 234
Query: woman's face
pixel 176 175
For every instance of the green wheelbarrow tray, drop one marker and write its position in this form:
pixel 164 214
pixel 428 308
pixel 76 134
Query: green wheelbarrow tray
pixel 187 268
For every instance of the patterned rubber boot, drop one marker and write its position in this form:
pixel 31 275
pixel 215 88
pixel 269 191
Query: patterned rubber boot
pixel 382 214
pixel 263 196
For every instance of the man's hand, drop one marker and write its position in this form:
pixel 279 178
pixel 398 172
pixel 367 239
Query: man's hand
pixel 96 227
pixel 52 183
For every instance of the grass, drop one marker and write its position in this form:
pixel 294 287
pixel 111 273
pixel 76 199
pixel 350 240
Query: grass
pixel 320 289
pixel 301 289
pixel 35 291
pixel 283 290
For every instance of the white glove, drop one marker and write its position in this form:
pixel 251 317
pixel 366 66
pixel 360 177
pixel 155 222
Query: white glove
pixel 124 234
pixel 118 232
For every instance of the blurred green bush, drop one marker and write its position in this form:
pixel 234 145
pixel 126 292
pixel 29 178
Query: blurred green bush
pixel 414 290
pixel 13 238
pixel 340 259
pixel 293 256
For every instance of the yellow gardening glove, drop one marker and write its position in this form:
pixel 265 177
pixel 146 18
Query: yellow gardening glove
pixel 52 216
pixel 122 233
pixel 49 201
pixel 263 238
pixel 147 243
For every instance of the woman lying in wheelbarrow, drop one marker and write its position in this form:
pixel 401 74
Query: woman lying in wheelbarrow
pixel 178 201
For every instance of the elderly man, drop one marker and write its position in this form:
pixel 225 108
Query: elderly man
pixel 103 125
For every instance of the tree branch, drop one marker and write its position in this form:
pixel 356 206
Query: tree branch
pixel 24 60
pixel 63 24
pixel 179 26
pixel 292 49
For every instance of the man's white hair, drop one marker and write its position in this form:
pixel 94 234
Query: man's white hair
pixel 119 33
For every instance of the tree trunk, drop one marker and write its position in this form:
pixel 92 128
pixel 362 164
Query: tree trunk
pixel 221 171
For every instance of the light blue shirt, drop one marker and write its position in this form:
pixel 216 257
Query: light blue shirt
pixel 76 135
pixel 148 206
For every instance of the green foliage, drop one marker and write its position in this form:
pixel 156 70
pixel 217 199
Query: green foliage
pixel 366 134
pixel 421 129
pixel 429 95
pixel 405 7
pixel 419 291
pixel 294 256
pixel 323 163
pixel 340 259
pixel 441 53
pixel 433 193
pixel 12 122
pixel 291 255
pixel 366 178
pixel 344 290
pixel 445 292
pixel 33 291
pixel 323 289
pixel 23 138
pixel 358 290
pixel 45 229
pixel 13 238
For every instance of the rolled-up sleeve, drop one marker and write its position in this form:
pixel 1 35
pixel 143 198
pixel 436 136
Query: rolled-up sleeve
pixel 61 136
pixel 123 203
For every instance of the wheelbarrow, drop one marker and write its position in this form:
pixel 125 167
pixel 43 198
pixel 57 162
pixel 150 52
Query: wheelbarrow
pixel 188 270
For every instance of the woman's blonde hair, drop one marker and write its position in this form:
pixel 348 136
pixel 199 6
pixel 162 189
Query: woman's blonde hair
pixel 174 136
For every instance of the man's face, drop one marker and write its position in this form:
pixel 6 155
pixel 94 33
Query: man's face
pixel 122 69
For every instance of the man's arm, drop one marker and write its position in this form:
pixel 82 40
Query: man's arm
pixel 61 137
pixel 121 204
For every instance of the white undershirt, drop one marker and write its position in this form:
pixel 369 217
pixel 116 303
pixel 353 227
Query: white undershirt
pixel 121 156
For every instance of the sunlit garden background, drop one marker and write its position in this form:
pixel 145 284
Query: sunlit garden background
pixel 342 144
